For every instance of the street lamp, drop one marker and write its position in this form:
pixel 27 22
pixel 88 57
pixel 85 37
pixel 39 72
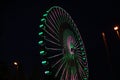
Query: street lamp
pixel 105 42
pixel 116 28
pixel 109 58
pixel 15 63
pixel 16 66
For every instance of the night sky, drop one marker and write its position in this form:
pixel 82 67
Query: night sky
pixel 19 21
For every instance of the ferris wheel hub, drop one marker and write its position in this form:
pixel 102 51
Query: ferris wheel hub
pixel 70 44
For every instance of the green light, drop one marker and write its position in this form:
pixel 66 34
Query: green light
pixel 43 19
pixel 44 62
pixel 41 26
pixel 85 69
pixel 47 72
pixel 81 43
pixel 40 33
pixel 84 78
pixel 71 45
pixel 82 49
pixel 44 15
pixel 84 58
pixel 83 53
pixel 42 52
pixel 40 42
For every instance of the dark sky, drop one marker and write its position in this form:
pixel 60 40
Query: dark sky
pixel 19 27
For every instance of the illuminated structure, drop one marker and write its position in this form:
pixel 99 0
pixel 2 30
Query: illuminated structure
pixel 61 47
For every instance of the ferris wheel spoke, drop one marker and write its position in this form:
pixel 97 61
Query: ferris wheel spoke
pixel 77 46
pixel 59 22
pixel 80 48
pixel 63 72
pixel 77 50
pixel 57 16
pixel 54 49
pixel 81 76
pixel 80 53
pixel 59 11
pixel 79 56
pixel 76 43
pixel 66 75
pixel 57 28
pixel 80 60
pixel 54 23
pixel 69 19
pixel 80 73
pixel 71 77
pixel 57 55
pixel 63 17
pixel 52 42
pixel 52 30
pixel 57 62
pixel 59 69
pixel 51 35
pixel 49 20
pixel 76 77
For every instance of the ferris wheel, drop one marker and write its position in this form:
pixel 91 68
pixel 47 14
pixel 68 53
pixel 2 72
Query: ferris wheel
pixel 61 49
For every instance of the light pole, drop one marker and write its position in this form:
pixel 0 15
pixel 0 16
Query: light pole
pixel 16 65
pixel 109 60
pixel 116 28
pixel 106 45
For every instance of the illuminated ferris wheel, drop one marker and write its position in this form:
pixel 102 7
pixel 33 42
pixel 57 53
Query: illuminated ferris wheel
pixel 61 47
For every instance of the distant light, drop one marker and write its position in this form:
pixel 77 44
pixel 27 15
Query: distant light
pixel 116 28
pixel 103 33
pixel 15 63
